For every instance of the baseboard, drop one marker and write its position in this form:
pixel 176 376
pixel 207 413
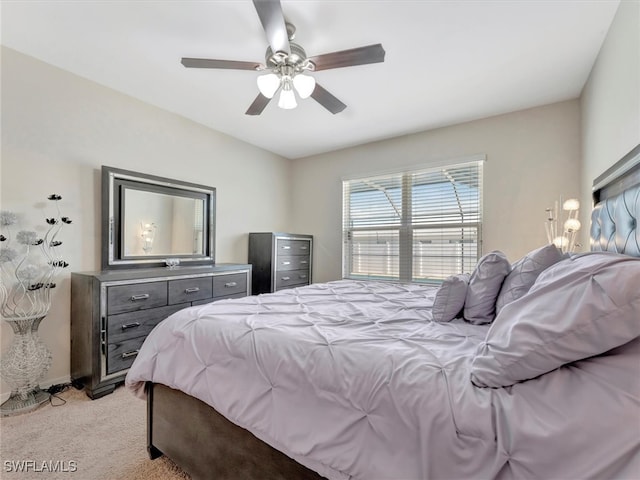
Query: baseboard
pixel 45 384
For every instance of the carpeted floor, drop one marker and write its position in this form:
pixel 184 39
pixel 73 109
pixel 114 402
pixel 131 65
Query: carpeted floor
pixel 102 439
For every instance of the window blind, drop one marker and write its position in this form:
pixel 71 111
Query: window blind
pixel 420 225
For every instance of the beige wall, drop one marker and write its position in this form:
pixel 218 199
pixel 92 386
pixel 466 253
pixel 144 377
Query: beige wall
pixel 533 157
pixel 610 100
pixel 57 131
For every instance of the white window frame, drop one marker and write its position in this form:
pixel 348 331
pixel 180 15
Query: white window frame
pixel 405 227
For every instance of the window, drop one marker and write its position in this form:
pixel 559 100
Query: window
pixel 419 225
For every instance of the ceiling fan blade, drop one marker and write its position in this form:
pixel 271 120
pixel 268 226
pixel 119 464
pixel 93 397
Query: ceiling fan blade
pixel 348 58
pixel 229 64
pixel 272 19
pixel 258 105
pixel 327 100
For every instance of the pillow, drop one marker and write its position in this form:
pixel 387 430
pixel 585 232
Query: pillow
pixel 524 273
pixel 579 307
pixel 450 298
pixel 484 286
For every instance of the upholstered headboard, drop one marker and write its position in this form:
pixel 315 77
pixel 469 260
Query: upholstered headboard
pixel 616 212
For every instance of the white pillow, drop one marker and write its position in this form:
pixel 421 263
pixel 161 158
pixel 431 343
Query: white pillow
pixel 524 273
pixel 484 286
pixel 579 307
pixel 450 298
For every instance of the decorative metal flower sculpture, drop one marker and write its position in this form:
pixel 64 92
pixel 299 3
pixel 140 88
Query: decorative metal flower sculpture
pixel 28 264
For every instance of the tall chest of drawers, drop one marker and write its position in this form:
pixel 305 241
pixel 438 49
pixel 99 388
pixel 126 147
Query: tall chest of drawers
pixel 280 260
pixel 112 312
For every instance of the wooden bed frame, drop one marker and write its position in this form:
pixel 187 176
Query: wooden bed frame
pixel 206 445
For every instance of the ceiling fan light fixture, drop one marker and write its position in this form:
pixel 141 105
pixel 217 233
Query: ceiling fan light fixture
pixel 286 63
pixel 304 85
pixel 287 99
pixel 268 84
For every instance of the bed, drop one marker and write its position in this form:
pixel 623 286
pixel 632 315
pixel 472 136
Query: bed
pixel 369 380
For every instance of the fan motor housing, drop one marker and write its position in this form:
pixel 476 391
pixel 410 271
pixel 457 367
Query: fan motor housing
pixel 295 59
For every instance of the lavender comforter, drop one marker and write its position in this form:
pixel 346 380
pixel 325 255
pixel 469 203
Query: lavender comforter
pixel 354 380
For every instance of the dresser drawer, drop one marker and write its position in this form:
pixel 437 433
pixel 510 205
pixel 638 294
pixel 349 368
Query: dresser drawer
pixel 136 296
pixel 121 355
pixel 190 289
pixel 292 247
pixel 231 284
pixel 295 262
pixel 289 279
pixel 126 326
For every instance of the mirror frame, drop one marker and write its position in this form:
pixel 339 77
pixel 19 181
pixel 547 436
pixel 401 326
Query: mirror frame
pixel 113 182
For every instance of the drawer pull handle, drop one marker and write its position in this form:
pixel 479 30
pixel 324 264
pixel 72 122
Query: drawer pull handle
pixel 286 247
pixel 286 263
pixel 130 354
pixel 230 284
pixel 303 276
pixel 143 296
pixel 304 248
pixel 130 325
pixel 191 290
pixel 286 278
pixel 303 262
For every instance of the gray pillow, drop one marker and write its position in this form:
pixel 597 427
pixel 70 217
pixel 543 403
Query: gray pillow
pixel 450 298
pixel 484 286
pixel 579 307
pixel 524 273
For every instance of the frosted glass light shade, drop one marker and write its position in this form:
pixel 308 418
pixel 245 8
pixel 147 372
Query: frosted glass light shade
pixel 572 225
pixel 304 85
pixel 571 204
pixel 287 99
pixel 268 84
pixel 561 242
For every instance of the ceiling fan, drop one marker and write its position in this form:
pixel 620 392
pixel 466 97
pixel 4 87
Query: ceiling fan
pixel 288 64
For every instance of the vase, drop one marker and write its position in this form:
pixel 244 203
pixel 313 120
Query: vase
pixel 24 365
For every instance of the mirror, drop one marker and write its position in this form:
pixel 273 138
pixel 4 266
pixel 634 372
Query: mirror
pixel 152 221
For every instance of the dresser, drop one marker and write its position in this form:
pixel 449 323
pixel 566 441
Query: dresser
pixel 280 260
pixel 112 312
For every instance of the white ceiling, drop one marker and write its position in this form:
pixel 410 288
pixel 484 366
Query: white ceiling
pixel 446 61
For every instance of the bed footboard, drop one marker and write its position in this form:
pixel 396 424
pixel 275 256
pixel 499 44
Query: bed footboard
pixel 206 445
